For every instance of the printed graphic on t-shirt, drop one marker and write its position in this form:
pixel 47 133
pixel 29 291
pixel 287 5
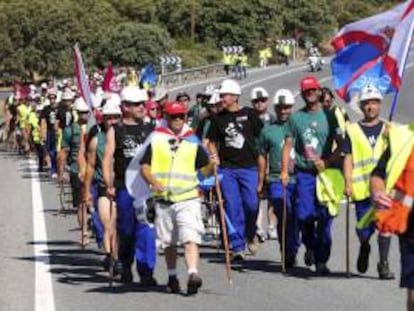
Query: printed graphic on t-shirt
pixel 68 118
pixel 311 141
pixel 130 146
pixel 233 137
pixel 372 140
pixel 52 117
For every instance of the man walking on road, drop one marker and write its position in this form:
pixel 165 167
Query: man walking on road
pixel 71 140
pixel 122 142
pixel 169 166
pixel 311 133
pixel 364 144
pixel 271 141
pixel 233 135
pixel 392 192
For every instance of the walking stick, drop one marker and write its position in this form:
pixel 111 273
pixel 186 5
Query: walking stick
pixel 348 273
pixel 111 253
pixel 223 226
pixel 284 230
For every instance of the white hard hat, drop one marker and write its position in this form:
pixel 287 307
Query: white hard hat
pixel 229 86
pixel 283 96
pixel 80 105
pixel 160 93
pixel 43 85
pixel 67 95
pixel 96 101
pixel 258 92
pixel 209 90
pixel 111 108
pixel 134 94
pixel 39 108
pixel 113 99
pixel 370 92
pixel 51 92
pixel 215 98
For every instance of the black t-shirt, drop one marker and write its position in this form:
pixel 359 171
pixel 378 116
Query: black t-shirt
pixel 371 132
pixel 235 134
pixel 64 115
pixel 201 157
pixel 128 139
pixel 380 169
pixel 50 115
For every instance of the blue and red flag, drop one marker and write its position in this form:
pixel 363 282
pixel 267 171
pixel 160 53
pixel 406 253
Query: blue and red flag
pixel 373 51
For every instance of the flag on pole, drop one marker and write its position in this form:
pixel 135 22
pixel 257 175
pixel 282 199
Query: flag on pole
pixel 110 84
pixel 81 78
pixel 148 76
pixel 373 51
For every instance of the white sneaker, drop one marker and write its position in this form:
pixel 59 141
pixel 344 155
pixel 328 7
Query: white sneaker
pixel 272 233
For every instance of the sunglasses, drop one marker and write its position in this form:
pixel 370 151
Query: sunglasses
pixel 134 104
pixel 112 117
pixel 180 116
pixel 308 91
pixel 259 100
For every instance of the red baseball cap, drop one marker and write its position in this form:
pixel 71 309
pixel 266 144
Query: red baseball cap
pixel 309 83
pixel 172 108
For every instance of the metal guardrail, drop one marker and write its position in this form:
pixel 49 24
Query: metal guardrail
pixel 193 74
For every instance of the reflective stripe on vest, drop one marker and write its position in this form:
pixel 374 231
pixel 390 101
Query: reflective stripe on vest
pixel 364 159
pixel 175 170
pixel 402 197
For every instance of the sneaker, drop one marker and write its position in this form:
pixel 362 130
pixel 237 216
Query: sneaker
pixel 238 257
pixel 322 269
pixel 117 268
pixel 384 271
pixel 54 176
pixel 253 246
pixel 272 233
pixel 148 281
pixel 106 262
pixel 363 257
pixel 309 258
pixel 193 284
pixel 127 277
pixel 173 285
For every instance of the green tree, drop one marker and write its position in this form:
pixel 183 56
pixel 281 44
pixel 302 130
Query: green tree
pixel 132 43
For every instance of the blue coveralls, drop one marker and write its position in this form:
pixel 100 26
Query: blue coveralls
pixel 314 218
pixel 51 149
pixel 96 220
pixel 292 226
pixel 136 239
pixel 361 208
pixel 241 203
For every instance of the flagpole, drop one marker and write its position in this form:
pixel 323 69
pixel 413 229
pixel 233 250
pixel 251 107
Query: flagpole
pixel 397 93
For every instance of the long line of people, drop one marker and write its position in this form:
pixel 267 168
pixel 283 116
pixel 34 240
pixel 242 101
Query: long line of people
pixel 278 157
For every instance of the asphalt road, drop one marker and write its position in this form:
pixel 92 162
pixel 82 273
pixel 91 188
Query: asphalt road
pixel 47 270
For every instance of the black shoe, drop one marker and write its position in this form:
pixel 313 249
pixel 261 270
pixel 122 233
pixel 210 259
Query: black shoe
pixel 106 262
pixel 194 283
pixel 309 258
pixel 126 276
pixel 117 268
pixel 384 271
pixel 148 281
pixel 363 257
pixel 173 286
pixel 322 269
pixel 290 262
pixel 238 257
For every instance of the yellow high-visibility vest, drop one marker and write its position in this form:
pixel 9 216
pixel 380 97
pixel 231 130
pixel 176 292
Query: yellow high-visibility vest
pixel 364 159
pixel 226 59
pixel 175 170
pixel 401 141
pixel 33 121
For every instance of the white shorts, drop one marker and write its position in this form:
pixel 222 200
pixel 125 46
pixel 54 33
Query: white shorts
pixel 179 223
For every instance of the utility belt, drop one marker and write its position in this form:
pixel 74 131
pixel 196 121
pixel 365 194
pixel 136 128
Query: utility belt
pixel 313 171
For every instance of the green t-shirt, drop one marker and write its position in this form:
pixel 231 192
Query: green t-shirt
pixel 71 140
pixel 271 140
pixel 313 134
pixel 100 148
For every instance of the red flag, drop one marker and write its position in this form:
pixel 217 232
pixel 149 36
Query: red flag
pixel 108 77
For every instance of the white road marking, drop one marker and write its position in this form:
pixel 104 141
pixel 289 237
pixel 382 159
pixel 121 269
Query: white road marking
pixel 223 77
pixel 44 299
